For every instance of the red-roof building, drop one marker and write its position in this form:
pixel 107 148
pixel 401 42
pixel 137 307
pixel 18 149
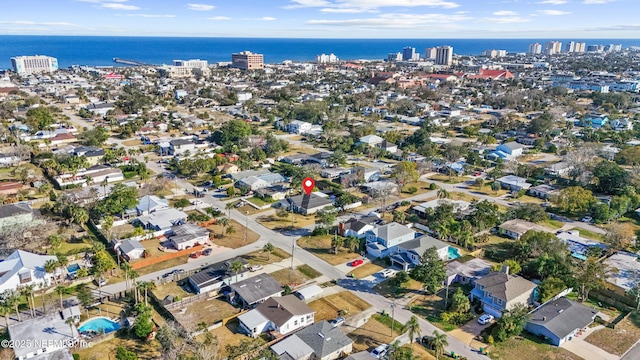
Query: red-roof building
pixel 492 75
pixel 113 76
pixel 10 188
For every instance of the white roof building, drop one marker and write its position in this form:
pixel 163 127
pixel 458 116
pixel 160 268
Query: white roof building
pixel 24 268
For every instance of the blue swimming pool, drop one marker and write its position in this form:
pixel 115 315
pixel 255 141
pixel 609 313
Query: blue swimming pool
pixel 453 253
pixel 73 268
pixel 99 324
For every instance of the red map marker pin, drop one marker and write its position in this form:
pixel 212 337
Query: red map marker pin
pixel 308 184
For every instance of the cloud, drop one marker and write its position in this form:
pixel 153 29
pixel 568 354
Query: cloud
pixel 616 28
pixel 597 1
pixel 149 15
pixel 347 10
pixel 399 21
pixel 368 5
pixel 505 13
pixel 553 12
pixel 200 7
pixel 553 2
pixel 102 1
pixel 266 18
pixel 45 23
pixel 219 18
pixel 119 6
pixel 505 20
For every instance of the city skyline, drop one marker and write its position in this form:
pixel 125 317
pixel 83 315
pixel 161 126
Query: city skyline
pixel 325 18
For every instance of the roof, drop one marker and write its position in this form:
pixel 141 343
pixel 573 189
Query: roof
pixel 421 244
pixel 34 332
pixel 457 205
pixel 473 268
pixel 310 291
pixel 355 224
pixel 513 145
pixel 216 272
pixel 323 338
pixel 186 232
pixel 127 246
pixel 519 226
pixel 180 142
pixel 71 311
pixel 309 201
pixel 362 355
pixel 504 286
pixel 256 288
pixel 392 230
pixel 151 202
pixel 292 348
pixel 14 209
pixel 280 309
pixel 628 267
pixel 164 218
pixel 371 139
pixel 247 173
pixel 562 316
pixel 22 259
pixel 252 318
pixel 515 180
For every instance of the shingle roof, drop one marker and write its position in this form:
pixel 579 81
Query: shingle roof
pixel 421 244
pixel 323 338
pixel 504 286
pixel 562 316
pixel 14 209
pixel 216 272
pixel 126 246
pixel 280 309
pixel 392 231
pixel 309 202
pixel 256 288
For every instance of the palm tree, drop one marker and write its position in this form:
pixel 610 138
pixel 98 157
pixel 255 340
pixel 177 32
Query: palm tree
pixel 104 184
pixel 126 267
pixel 60 290
pixel 27 292
pixel 268 248
pixel 223 223
pixel 353 243
pixel 443 194
pixel 50 267
pixel 13 298
pixel 146 286
pixel 236 266
pixel 63 261
pixel 229 206
pixel 439 342
pixel 230 230
pixel 70 321
pixel 413 328
pixel 399 216
pixel 336 243
pixel 6 308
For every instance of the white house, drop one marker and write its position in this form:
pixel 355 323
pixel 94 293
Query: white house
pixel 162 220
pixel 150 203
pixel 181 146
pixel 355 227
pixel 186 236
pixel 383 240
pixel 23 268
pixel 408 253
pixel 284 314
pixel 508 151
pixel 299 127
pixel 131 249
pixel 371 140
pixel 320 341
pixel 514 183
pixel 43 335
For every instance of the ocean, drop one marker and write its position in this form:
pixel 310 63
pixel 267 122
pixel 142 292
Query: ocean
pixel 100 50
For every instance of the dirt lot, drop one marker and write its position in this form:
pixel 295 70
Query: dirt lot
pixel 207 311
pixel 274 222
pixel 260 257
pixel 234 240
pixel 372 334
pixel 320 246
pixel 619 340
pixel 119 232
pixel 107 349
pixel 170 288
pixel 367 269
pixel 289 277
pixel 386 288
pixel 228 335
pixel 523 348
pixel 327 308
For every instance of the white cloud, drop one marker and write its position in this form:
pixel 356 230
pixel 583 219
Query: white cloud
pixel 399 21
pixel 119 6
pixel 200 7
pixel 45 23
pixel 505 13
pixel 553 2
pixel 347 10
pixel 553 12
pixel 149 15
pixel 368 5
pixel 505 19
pixel 102 1
pixel 219 18
pixel 597 1
pixel 266 18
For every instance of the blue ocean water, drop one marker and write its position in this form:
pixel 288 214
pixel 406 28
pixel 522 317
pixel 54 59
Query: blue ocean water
pixel 100 50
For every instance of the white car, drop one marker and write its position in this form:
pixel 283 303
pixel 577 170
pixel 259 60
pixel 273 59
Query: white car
pixel 255 267
pixel 387 273
pixel 380 351
pixel 485 319
pixel 587 219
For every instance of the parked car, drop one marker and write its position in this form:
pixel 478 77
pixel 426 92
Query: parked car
pixel 380 351
pixel 587 219
pixel 337 321
pixel 427 341
pixel 357 262
pixel 387 273
pixel 485 319
pixel 100 282
pixel 207 252
pixel 196 254
pixel 173 272
pixel 255 267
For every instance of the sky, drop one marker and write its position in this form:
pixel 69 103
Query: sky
pixel 586 19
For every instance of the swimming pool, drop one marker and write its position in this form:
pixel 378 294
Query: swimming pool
pixel 99 324
pixel 453 253
pixel 73 268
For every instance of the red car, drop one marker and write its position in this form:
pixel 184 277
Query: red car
pixel 196 255
pixel 357 262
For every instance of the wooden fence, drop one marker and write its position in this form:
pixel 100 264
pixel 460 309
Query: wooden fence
pixel 187 301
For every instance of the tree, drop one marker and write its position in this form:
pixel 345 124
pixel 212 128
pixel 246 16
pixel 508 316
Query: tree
pixel 13 298
pixel 439 343
pixel 353 243
pixel 122 197
pixel 124 354
pixel 182 203
pixel 629 156
pixel 144 324
pixel 336 242
pixel 541 125
pixel 231 132
pixel 71 321
pixel 6 306
pixel 326 217
pixel 574 200
pixel 405 172
pixel 84 294
pixel 55 240
pixel 224 222
pixel 79 215
pixel 40 118
pixel 479 182
pixel 529 212
pixel 28 292
pixel 269 249
pixel 550 287
pixel 412 327
pixel 236 267
pixel 399 216
pixel 512 322
pixel 460 302
pixel 495 186
pixel 619 236
pixel 610 177
pixel 400 279
pixel 50 267
pixel 230 230
pixel 61 290
pixel 107 224
pixel 146 286
pixel 431 271
pixel 443 194
pixel 513 265
pixel 94 137
pixel 590 274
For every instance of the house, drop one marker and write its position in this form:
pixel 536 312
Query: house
pixel 150 203
pixel 277 192
pixel 92 154
pixel 508 151
pixel 322 158
pixel 23 268
pixel 248 173
pixel 296 159
pixel 383 240
pixel 376 188
pixel 407 254
pixel 298 127
pixel 467 272
pixel 163 220
pixel 355 227
pixel 362 355
pixel 255 290
pixel 10 187
pixel 578 245
pixel 500 291
pixel 516 228
pixel 388 147
pixel 19 214
pixel 100 109
pixel 228 168
pixel 371 140
pixel 628 268
pixel 558 169
pixel 130 249
pixel 320 341
pixel 284 314
pixel 42 335
pixel 214 276
pixel 559 320
pixel 514 183
pixel 424 208
pixel 258 182
pixel 543 191
pixel 186 236
pixel 596 121
pixel 307 204
pixel 181 146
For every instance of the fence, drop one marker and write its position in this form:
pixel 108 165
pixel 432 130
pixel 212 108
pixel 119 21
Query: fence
pixel 186 301
pixel 614 299
pixel 168 256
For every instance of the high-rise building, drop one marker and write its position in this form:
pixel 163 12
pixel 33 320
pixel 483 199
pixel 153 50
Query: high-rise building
pixel 613 47
pixel 552 47
pixel 326 59
pixel 444 55
pixel 535 48
pixel 408 53
pixel 24 65
pixel 494 53
pixel 394 57
pixel 570 46
pixel 580 47
pixel 430 53
pixel 193 63
pixel 247 60
pixel 595 48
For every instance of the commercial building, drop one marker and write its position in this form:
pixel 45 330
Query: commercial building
pixel 37 64
pixel 192 63
pixel 494 53
pixel 409 54
pixel 246 60
pixel 327 59
pixel 444 55
pixel 535 48
pixel 430 53
pixel 552 47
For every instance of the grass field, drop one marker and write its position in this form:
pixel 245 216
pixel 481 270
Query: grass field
pixel 368 269
pixel 228 335
pixel 163 265
pixel 617 341
pixel 234 240
pixel 447 179
pixel 590 234
pixel 553 224
pixel 205 311
pixel 430 307
pixel 288 277
pixel 262 258
pixel 529 348
pixel 107 349
pixel 372 334
pixel 308 271
pixel 388 289
pixel 328 307
pixel 422 187
pixel 320 246
pixel 170 288
pixel 274 222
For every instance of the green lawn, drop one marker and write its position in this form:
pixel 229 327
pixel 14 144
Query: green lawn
pixel 590 234
pixel 554 224
pixel 259 202
pixel 528 347
pixel 76 247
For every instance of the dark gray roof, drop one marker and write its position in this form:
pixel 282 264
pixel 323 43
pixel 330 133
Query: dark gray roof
pixel 256 288
pixel 504 286
pixel 323 338
pixel 14 209
pixel 562 316
pixel 309 202
pixel 280 309
pixel 354 224
pixel 423 243
pixel 216 272
pixel 129 245
pixel 178 142
pixel 362 355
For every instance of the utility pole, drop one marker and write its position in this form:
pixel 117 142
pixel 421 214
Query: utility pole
pixel 393 308
pixel 293 237
pixel 246 226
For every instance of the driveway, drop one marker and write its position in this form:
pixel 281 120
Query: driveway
pixel 467 333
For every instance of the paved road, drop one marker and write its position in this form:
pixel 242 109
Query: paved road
pixel 633 353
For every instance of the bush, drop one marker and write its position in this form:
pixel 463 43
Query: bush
pixel 76 356
pixel 319 231
pixel 412 190
pixel 433 186
pixel 405 203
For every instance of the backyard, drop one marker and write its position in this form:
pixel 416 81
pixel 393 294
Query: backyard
pixel 528 347
pixel 328 307
pixel 320 246
pixel 617 341
pixel 207 311
pixel 228 334
pixel 107 349
pixel 234 240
